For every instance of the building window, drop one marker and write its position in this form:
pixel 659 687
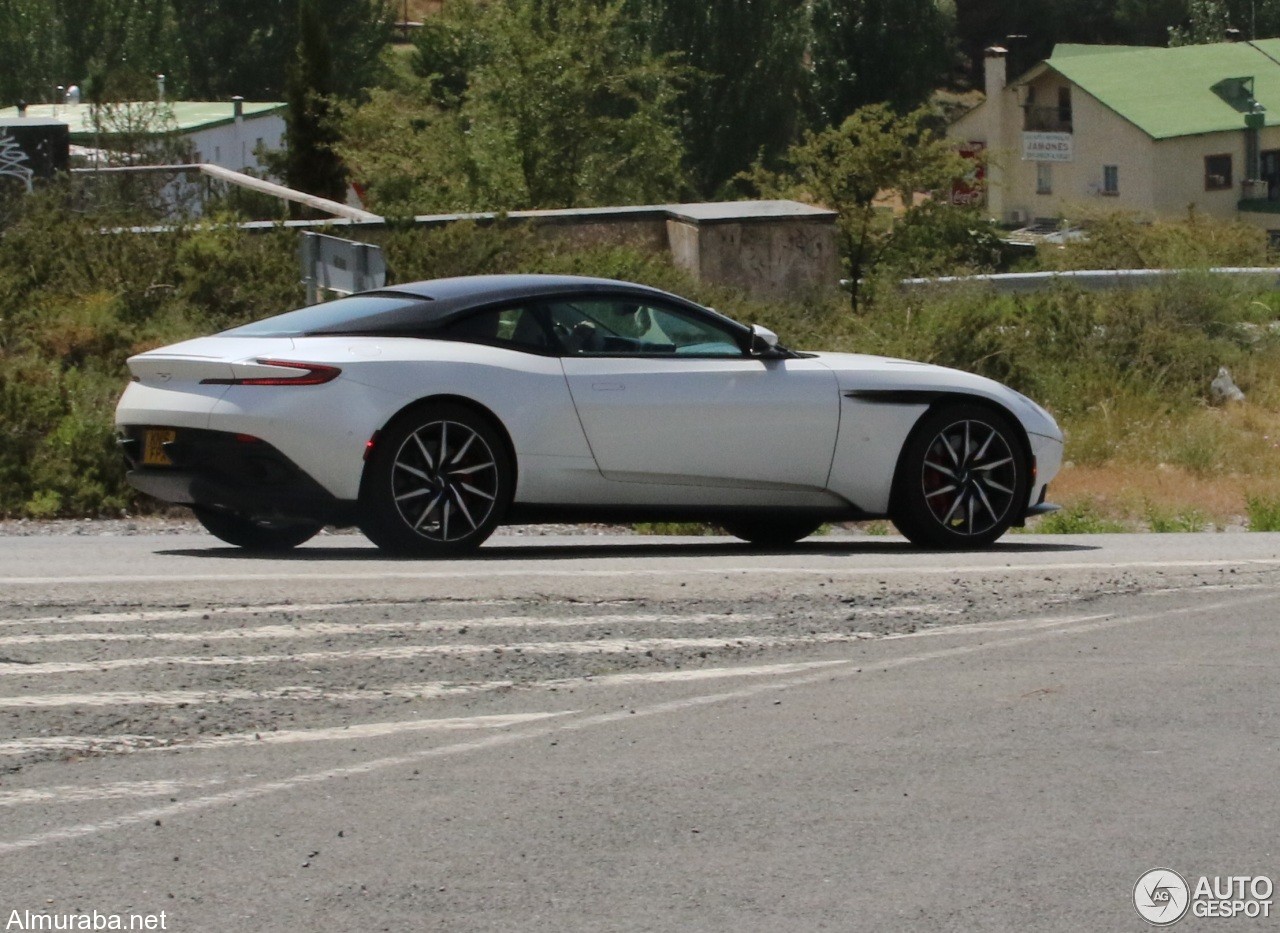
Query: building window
pixel 1064 105
pixel 1044 178
pixel 1110 179
pixel 1217 172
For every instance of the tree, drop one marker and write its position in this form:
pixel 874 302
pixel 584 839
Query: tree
pixel 45 43
pixel 875 51
pixel 206 48
pixel 743 99
pixel 523 104
pixel 1031 28
pixel 412 156
pixel 847 168
pixel 581 111
pixel 236 47
pixel 1207 22
pixel 311 161
pixel 243 46
pixel 31 49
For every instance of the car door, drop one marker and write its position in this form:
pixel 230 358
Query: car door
pixel 667 394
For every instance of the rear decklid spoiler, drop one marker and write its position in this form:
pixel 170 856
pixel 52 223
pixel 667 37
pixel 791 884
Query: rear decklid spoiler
pixel 206 358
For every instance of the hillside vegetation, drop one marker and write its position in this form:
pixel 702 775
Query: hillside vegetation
pixel 1127 373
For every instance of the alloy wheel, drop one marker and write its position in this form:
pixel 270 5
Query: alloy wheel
pixel 445 481
pixel 968 477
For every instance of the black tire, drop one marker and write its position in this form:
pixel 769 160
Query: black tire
pixel 460 505
pixel 962 479
pixel 771 532
pixel 255 534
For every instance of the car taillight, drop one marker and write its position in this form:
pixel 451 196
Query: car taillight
pixel 309 374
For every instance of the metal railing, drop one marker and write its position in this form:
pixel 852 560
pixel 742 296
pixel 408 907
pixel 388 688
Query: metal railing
pixel 1013 283
pixel 1047 120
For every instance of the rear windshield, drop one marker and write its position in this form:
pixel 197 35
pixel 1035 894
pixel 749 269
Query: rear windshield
pixel 385 313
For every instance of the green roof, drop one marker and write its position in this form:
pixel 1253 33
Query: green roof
pixel 1169 92
pixel 188 115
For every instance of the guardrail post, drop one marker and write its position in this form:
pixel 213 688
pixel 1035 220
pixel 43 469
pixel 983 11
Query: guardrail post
pixel 308 253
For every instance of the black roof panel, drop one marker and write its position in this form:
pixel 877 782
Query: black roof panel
pixel 471 290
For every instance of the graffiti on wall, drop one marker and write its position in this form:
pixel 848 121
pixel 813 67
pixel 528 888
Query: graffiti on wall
pixel 13 161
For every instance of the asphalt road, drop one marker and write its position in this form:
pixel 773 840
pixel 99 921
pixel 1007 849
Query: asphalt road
pixel 635 733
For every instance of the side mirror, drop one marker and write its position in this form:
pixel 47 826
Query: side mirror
pixel 764 342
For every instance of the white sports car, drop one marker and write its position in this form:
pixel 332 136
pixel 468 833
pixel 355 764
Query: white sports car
pixel 429 413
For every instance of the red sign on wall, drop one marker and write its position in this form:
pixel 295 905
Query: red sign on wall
pixel 971 189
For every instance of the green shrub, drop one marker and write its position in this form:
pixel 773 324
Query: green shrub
pixel 674 528
pixel 1263 512
pixel 1079 518
pixel 1164 521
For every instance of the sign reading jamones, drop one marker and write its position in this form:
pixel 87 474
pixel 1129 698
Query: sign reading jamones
pixel 1046 147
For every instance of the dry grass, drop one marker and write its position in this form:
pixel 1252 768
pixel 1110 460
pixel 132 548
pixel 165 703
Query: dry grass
pixel 1133 492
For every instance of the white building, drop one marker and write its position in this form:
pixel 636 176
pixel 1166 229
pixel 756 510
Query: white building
pixel 1153 130
pixel 221 133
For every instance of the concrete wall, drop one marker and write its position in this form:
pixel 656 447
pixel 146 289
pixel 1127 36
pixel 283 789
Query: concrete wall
pixel 774 249
pixel 771 249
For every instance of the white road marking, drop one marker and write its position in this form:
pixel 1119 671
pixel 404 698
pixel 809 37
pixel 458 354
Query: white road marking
pixel 429 690
pixel 889 611
pixel 298 781
pixel 71 793
pixel 1206 588
pixel 672 566
pixel 164 615
pixel 322 629
pixel 118 743
pixel 1004 625
pixel 389 653
pixel 442 689
pixel 155 615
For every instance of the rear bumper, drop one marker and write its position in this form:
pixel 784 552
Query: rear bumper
pixel 232 472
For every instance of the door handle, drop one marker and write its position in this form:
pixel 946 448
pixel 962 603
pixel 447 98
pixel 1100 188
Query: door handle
pixel 607 386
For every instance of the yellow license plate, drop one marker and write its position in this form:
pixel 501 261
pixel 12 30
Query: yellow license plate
pixel 153 447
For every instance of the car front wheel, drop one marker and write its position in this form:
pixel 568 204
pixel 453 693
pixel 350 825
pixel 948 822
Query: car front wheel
pixel 962 479
pixel 438 482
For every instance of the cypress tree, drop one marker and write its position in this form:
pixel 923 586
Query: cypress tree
pixel 311 161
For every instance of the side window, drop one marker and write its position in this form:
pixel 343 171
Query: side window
pixel 1217 172
pixel 624 327
pixel 519 328
pixel 1044 178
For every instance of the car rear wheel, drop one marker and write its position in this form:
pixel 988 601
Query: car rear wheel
pixel 255 534
pixel 962 479
pixel 438 482
pixel 765 532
